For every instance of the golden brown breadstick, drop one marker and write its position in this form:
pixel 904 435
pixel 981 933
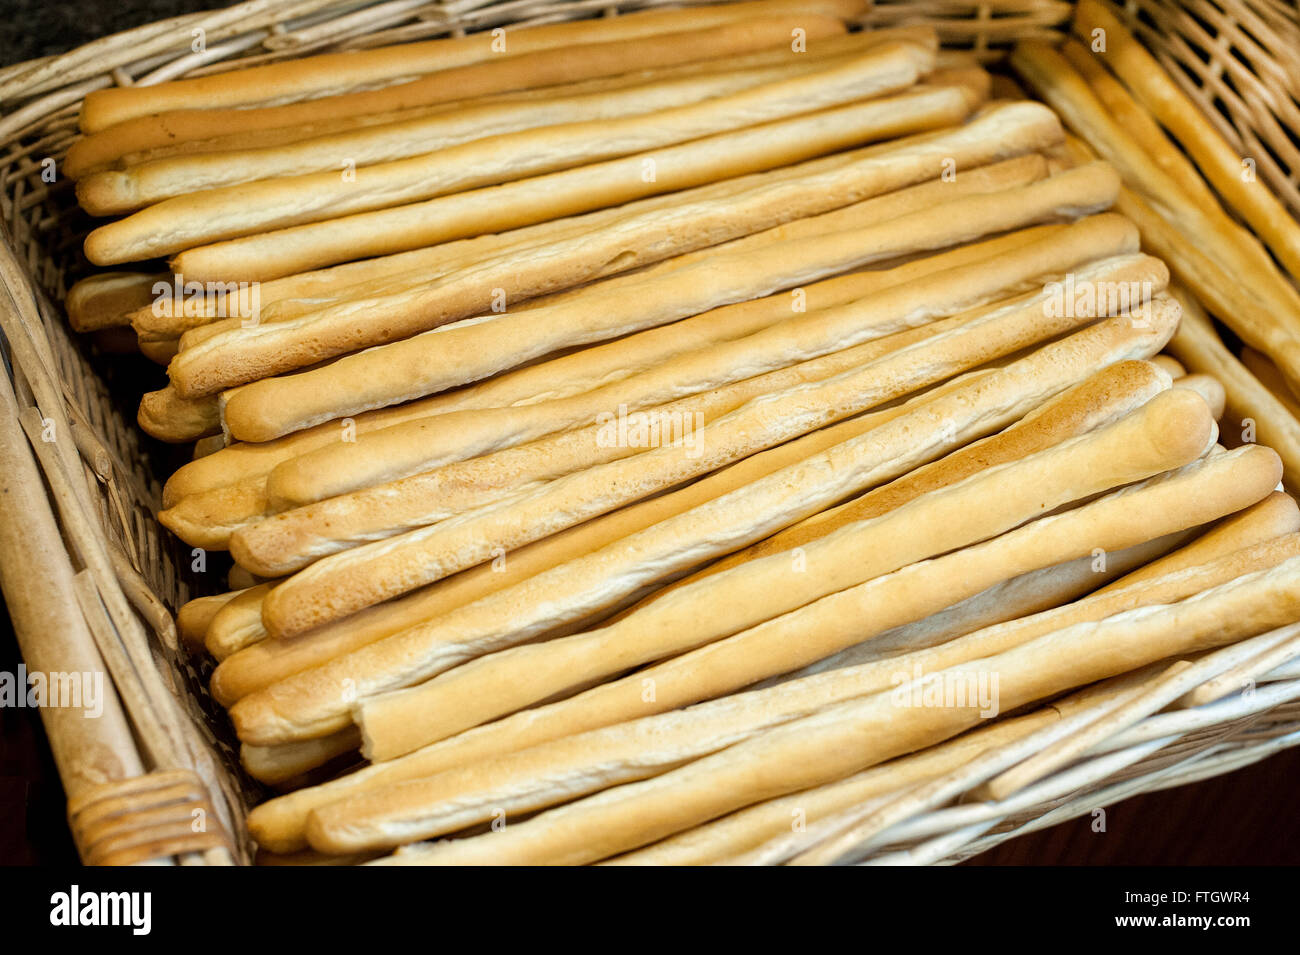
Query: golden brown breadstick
pixel 195 616
pixel 106 299
pixel 282 822
pixel 851 736
pixel 1233 262
pixel 260 666
pixel 1268 375
pixel 405 449
pixel 207 520
pixel 571 192
pixel 1198 346
pixel 326 73
pixel 226 212
pixel 169 417
pixel 759 43
pixel 280 764
pixel 237 624
pixel 349 581
pixel 267 409
pixel 488 688
pixel 1215 158
pixel 204 368
pixel 994 399
pixel 590 367
pixel 140 184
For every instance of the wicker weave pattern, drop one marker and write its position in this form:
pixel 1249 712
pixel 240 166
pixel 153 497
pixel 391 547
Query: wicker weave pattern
pixel 927 824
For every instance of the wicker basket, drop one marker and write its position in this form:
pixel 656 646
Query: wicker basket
pixel 91 579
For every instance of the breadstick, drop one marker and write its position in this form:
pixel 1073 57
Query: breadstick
pixel 195 616
pixel 660 299
pixel 109 192
pixel 280 764
pixel 1268 375
pixel 530 779
pixel 405 449
pixel 169 417
pixel 1021 596
pixel 207 520
pixel 865 174
pixel 272 661
pixel 728 838
pixel 282 821
pixel 144 140
pixel 349 581
pixel 246 208
pixel 1171 365
pixel 409 271
pixel 324 74
pixel 1209 388
pixel 105 299
pixel 574 191
pixel 1275 516
pixel 237 624
pixel 854 735
pixel 885 452
pixel 1198 346
pixel 1215 158
pixel 487 688
pixel 292 540
pixel 210 445
pixel 1265 309
pixel 160 352
pixel 589 367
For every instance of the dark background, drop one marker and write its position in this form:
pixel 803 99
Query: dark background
pixel 1246 818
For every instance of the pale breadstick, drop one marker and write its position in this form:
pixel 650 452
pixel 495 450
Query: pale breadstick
pixel 248 208
pixel 1238 266
pixel 106 299
pixel 238 624
pixel 867 173
pixel 727 838
pixel 1029 593
pixel 1275 516
pixel 292 540
pixel 1095 401
pixel 405 449
pixel 116 191
pixel 195 616
pixel 659 298
pixel 572 374
pixel 891 449
pixel 1171 365
pixel 262 665
pixel 1271 378
pixel 280 764
pixel 1209 388
pixel 1214 157
pixel 282 821
pixel 854 735
pixel 325 74
pixel 571 192
pixel 169 417
pixel 541 775
pixel 916 529
pixel 1198 346
pixel 349 581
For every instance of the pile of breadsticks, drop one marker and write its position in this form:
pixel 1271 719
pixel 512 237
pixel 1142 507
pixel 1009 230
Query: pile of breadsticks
pixel 607 426
pixel 1190 204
